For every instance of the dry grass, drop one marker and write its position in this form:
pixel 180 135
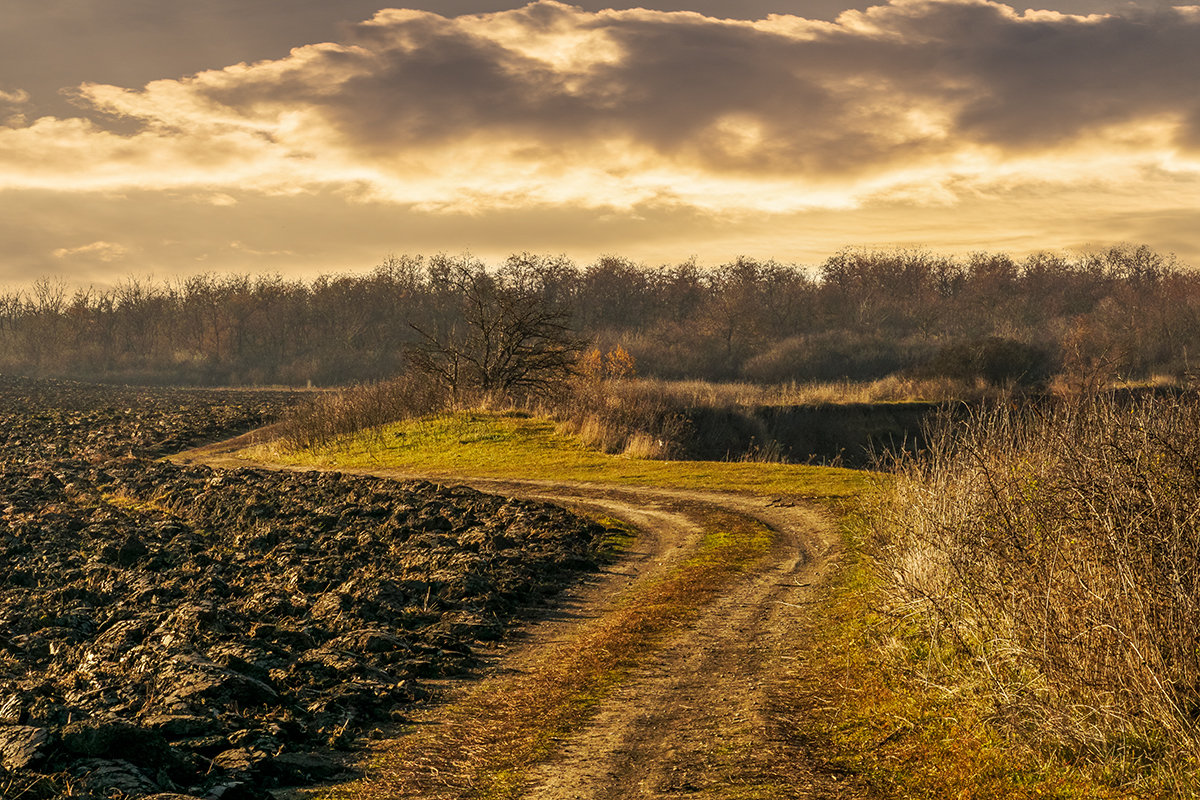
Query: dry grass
pixel 37 787
pixel 649 418
pixel 1052 556
pixel 643 445
pixel 329 416
pixel 640 418
pixel 625 416
pixel 868 707
pixel 892 389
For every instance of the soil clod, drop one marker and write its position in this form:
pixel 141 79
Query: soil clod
pixel 178 629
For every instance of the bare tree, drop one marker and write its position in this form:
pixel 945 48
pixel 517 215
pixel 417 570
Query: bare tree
pixel 502 336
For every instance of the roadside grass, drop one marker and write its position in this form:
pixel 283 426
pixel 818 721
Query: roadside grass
pixel 1048 556
pixel 518 446
pixel 866 703
pixel 860 697
pixel 513 722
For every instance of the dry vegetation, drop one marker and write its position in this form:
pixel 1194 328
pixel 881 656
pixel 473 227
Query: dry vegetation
pixel 1039 560
pixel 1035 593
pixel 860 315
pixel 1050 556
pixel 1039 557
pixel 636 417
pixel 326 416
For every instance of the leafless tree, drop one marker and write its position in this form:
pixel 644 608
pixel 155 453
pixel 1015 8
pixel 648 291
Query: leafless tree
pixel 504 337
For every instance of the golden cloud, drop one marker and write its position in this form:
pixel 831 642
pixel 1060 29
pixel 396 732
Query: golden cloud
pixel 99 250
pixel 551 104
pixel 935 103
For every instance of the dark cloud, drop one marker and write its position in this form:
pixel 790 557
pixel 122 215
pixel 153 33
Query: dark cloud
pixel 916 79
pixel 1041 82
pixel 48 45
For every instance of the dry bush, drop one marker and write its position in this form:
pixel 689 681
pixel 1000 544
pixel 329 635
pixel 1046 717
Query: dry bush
pixel 621 415
pixel 643 445
pixel 1057 548
pixel 335 414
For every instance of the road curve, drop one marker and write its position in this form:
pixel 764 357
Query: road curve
pixel 704 714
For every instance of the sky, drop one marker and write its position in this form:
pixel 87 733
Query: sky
pixel 175 137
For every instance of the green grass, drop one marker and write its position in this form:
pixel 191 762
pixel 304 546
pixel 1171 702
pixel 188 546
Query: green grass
pixel 515 446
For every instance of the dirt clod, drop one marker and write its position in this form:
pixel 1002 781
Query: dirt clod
pixel 168 628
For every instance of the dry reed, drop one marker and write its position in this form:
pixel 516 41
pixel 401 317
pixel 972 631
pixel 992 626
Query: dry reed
pixel 366 406
pixel 1053 551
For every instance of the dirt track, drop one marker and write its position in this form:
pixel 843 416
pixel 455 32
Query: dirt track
pixel 705 714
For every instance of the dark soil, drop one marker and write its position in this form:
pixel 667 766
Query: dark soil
pixel 178 629
pixel 42 420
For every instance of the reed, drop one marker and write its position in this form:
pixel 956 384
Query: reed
pixel 1051 552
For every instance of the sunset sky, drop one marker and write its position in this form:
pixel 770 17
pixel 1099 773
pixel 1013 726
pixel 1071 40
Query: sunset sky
pixel 302 136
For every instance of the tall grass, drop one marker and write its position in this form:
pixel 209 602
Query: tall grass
pixel 892 389
pixel 331 415
pixel 1053 553
pixel 628 416
pixel 649 418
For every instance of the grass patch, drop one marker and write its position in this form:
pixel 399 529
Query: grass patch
pixel 497 445
pixel 511 722
pixel 127 502
pixel 618 536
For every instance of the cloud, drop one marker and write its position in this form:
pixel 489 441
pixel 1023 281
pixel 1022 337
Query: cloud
pixel 98 250
pixel 549 103
pixel 938 104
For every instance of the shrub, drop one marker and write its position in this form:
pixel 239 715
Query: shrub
pixel 996 360
pixel 1057 549
pixel 330 415
pixel 829 356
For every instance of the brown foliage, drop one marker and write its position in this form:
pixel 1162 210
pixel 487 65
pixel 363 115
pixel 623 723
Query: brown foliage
pixel 861 315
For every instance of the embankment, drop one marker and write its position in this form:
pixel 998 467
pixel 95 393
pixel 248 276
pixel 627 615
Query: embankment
pixel 849 434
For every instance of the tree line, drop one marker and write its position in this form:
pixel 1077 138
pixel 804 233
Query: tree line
pixel 859 315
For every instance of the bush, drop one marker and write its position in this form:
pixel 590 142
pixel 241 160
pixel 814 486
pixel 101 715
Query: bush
pixel 1057 548
pixel 330 415
pixel 996 360
pixel 622 415
pixel 830 356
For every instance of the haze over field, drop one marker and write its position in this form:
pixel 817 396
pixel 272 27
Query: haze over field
pixel 303 137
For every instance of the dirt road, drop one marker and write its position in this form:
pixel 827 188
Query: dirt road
pixel 703 713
